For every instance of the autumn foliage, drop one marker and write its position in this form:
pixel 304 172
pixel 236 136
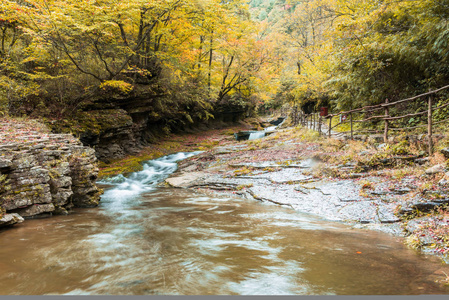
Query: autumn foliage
pixel 199 57
pixel 194 55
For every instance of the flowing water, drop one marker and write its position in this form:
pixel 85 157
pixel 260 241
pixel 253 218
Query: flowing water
pixel 256 135
pixel 145 239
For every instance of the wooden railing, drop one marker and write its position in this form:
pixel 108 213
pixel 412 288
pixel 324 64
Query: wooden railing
pixel 312 121
pixel 315 121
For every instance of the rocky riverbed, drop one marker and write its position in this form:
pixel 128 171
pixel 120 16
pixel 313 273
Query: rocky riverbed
pixel 404 196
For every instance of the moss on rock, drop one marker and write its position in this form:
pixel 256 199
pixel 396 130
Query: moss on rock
pixel 93 122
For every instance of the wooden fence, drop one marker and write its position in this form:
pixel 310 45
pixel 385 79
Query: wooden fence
pixel 315 121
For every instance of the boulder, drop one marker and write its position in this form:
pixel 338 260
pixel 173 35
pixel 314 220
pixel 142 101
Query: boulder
pixel 184 179
pixel 436 169
pixel 10 219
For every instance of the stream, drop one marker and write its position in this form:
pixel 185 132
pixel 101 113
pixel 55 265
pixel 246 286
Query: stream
pixel 144 239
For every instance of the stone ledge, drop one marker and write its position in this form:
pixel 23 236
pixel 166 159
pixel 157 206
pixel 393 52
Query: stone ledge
pixel 10 219
pixel 46 176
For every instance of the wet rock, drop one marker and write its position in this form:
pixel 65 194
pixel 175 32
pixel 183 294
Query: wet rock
pixel 60 211
pixel 35 209
pixel 185 179
pixel 435 169
pixel 10 219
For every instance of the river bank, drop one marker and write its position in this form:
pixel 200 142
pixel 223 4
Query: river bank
pixel 389 188
pixel 393 189
pixel 42 173
pixel 147 238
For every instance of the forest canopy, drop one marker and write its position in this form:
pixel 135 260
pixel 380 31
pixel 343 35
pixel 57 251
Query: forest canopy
pixel 194 57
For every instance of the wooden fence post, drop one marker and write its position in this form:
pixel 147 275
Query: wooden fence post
pixel 429 126
pixel 330 125
pixel 352 131
pixel 313 121
pixel 319 125
pixel 386 123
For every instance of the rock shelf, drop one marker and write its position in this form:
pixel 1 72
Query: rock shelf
pixel 43 175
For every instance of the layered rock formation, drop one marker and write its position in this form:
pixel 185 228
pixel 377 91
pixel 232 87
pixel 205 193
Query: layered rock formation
pixel 117 125
pixel 48 174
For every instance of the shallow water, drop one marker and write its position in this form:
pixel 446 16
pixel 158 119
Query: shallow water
pixel 256 135
pixel 145 239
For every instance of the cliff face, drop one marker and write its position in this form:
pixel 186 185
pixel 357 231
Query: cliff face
pixel 118 125
pixel 48 175
pixel 129 138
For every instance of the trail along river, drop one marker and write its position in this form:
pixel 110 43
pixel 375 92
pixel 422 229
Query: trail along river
pixel 145 239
